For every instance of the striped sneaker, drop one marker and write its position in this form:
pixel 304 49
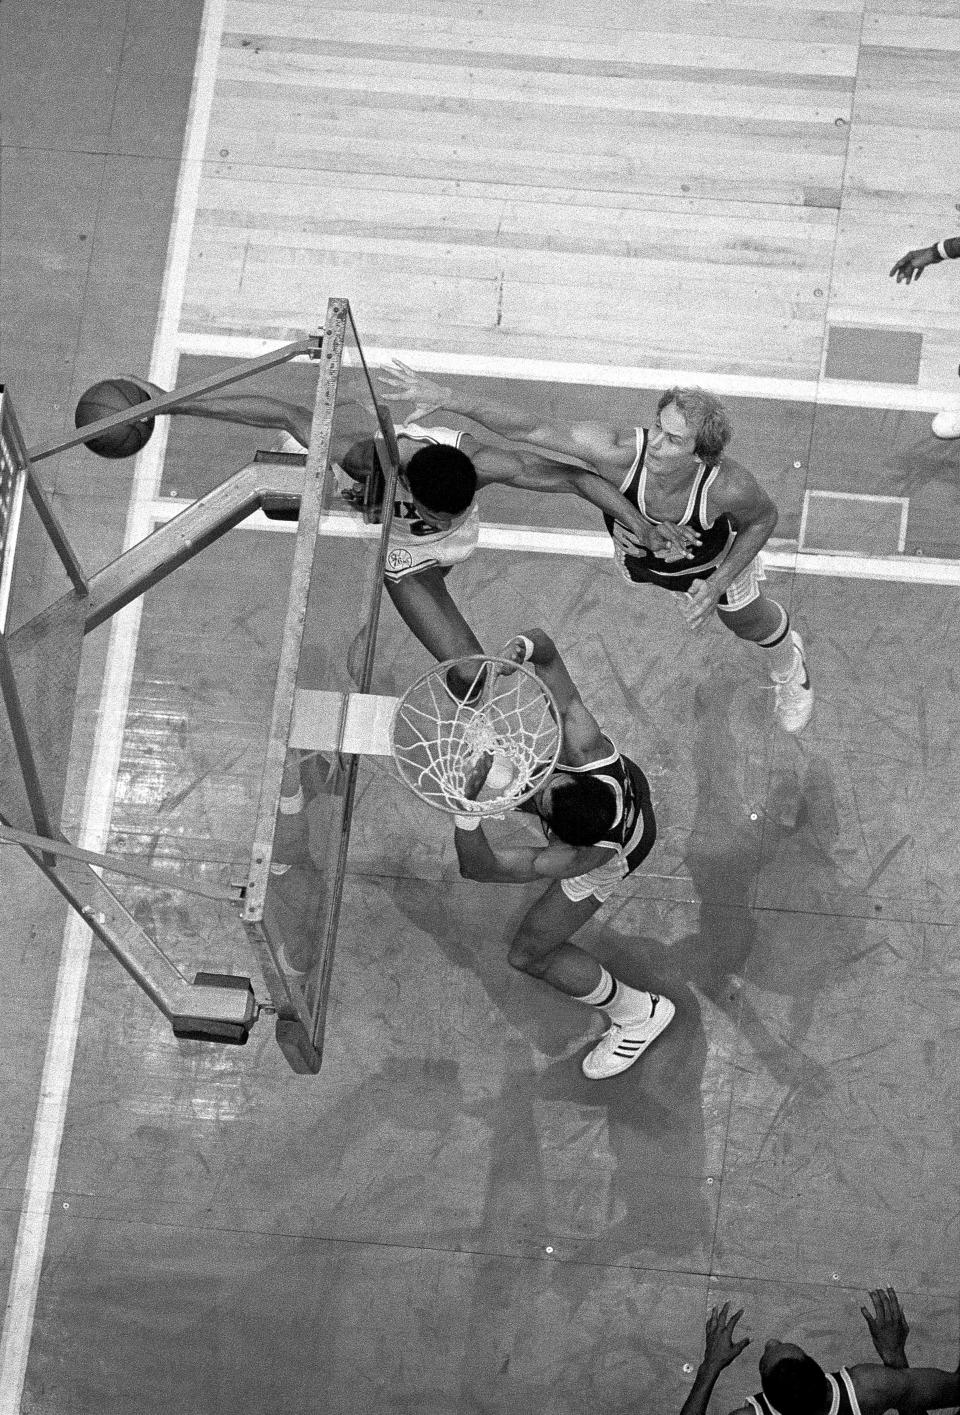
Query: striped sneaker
pixel 622 1045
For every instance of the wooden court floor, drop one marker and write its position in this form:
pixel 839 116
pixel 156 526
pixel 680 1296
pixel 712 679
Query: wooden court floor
pixel 449 1218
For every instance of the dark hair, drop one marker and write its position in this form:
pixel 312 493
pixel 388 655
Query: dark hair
pixel 441 478
pixel 706 417
pixel 797 1385
pixel 582 810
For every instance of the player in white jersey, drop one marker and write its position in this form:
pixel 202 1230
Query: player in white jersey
pixel 676 471
pixel 436 522
pixel 598 821
pixel 793 1383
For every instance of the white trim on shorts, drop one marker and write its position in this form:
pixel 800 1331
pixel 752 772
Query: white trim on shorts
pixel 600 881
pixel 740 592
pixel 744 589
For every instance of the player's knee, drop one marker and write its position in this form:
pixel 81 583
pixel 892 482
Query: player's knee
pixel 755 621
pixel 528 954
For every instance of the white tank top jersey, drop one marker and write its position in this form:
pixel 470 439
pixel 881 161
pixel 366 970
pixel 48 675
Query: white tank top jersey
pixel 413 545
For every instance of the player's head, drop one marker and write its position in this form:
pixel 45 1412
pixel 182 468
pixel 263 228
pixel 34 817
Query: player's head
pixel 578 809
pixel 792 1381
pixel 442 481
pixel 704 416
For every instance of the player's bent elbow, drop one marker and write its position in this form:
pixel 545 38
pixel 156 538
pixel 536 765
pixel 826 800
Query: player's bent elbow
pixel 768 517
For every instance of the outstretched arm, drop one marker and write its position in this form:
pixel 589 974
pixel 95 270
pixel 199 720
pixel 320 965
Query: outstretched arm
pixel 529 471
pixel 596 444
pixel 719 1351
pixel 888 1327
pixel 889 1331
pixel 592 442
pixel 583 739
pixel 912 265
pixel 880 1388
pixel 250 409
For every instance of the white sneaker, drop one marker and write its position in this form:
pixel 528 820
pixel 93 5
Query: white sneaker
pixel 623 1044
pixel 946 425
pixel 793 702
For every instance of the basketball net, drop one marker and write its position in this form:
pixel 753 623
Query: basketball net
pixel 505 732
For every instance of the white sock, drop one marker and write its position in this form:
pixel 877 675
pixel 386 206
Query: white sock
pixel 628 1005
pixel 604 989
pixel 783 660
pixel 620 1002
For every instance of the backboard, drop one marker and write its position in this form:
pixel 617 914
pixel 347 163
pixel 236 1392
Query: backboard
pixel 303 822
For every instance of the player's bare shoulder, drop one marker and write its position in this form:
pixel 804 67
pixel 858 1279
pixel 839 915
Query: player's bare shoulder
pixel 736 489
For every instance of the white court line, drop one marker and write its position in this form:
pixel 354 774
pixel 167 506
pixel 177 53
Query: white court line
pixel 776 555
pixel 902 501
pixel 101 780
pixel 844 393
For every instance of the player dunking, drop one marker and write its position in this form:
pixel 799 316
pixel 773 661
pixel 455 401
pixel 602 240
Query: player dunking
pixel 436 521
pixel 675 471
pixel 598 819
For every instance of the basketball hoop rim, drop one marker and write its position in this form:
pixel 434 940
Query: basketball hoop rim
pixel 497 805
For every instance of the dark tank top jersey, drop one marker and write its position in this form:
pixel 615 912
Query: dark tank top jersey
pixel 843 1397
pixel 716 536
pixel 634 830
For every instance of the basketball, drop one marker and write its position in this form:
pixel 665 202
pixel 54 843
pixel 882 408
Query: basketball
pixel 501 773
pixel 114 395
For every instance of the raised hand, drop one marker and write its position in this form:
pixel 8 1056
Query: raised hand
pixel 721 1349
pixel 515 652
pixel 402 384
pixel 912 265
pixel 888 1326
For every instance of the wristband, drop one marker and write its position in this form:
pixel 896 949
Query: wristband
pixel 941 250
pixel 528 647
pixel 467 822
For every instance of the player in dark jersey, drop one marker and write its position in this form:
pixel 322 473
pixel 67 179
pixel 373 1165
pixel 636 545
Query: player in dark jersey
pixel 599 824
pixel 676 472
pixel 793 1383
